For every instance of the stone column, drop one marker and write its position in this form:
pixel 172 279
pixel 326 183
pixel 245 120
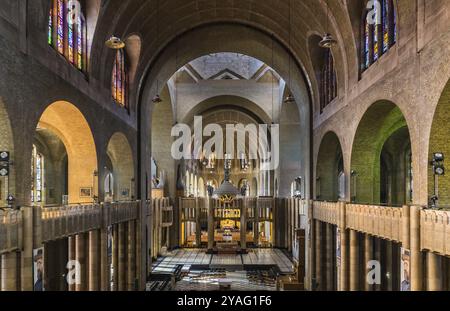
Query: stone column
pixel 210 208
pixel 81 257
pixel 115 259
pixel 378 256
pixel 122 258
pixel 434 272
pixel 198 228
pixel 354 261
pixel 131 255
pixel 368 256
pixel 343 286
pixel 416 254
pixel 104 265
pixel 256 226
pixel 389 265
pixel 9 272
pixel 31 236
pixel 329 257
pixel 94 262
pixel 244 225
pixel 319 278
pixel 72 256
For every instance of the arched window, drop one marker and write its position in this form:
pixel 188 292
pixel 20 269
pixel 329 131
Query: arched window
pixel 120 80
pixel 328 82
pixel 379 31
pixel 67 31
pixel 37 176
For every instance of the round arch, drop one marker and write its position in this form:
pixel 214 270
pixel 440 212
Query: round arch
pixel 439 143
pixel 382 131
pixel 68 123
pixel 329 169
pixel 120 153
pixel 202 40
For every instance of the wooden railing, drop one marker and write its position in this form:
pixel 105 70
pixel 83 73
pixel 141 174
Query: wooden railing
pixel 435 231
pixel 10 231
pixel 380 221
pixel 64 221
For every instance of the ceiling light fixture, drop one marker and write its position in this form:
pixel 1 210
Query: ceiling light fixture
pixel 289 98
pixel 115 43
pixel 327 41
pixel 157 99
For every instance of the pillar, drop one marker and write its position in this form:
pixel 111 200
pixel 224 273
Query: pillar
pixel 256 226
pixel 343 273
pixel 354 261
pixel 389 266
pixel 31 236
pixel 210 207
pixel 94 261
pixel 368 256
pixel 9 272
pixel 318 255
pixel 198 228
pixel 104 264
pixel 122 258
pixel 81 257
pixel 378 256
pixel 115 258
pixel 72 257
pixel 416 254
pixel 131 255
pixel 329 255
pixel 434 272
pixel 244 225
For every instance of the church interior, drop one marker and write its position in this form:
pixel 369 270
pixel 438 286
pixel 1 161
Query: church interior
pixel 203 145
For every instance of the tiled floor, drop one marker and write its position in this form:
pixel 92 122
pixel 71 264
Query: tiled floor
pixel 188 257
pixel 209 281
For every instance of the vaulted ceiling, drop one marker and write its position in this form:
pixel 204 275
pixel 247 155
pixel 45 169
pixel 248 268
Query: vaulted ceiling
pixel 290 22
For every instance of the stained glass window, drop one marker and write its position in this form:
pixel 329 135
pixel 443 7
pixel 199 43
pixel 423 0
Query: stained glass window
pixel 119 79
pixel 378 37
pixel 37 176
pixel 367 45
pixel 67 33
pixel 328 81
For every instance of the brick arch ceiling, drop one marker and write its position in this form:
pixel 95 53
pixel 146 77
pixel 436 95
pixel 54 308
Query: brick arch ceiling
pixel 161 21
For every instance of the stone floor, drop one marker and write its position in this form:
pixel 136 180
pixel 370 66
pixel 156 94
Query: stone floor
pixel 240 281
pixel 189 257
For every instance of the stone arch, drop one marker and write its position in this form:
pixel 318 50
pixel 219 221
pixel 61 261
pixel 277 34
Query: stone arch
pixel 7 185
pixel 68 123
pixel 382 130
pixel 202 40
pixel 120 153
pixel 329 167
pixel 439 142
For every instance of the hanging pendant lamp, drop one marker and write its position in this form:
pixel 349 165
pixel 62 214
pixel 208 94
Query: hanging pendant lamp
pixel 327 41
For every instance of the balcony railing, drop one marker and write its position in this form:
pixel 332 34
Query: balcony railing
pixel 380 221
pixel 326 212
pixel 64 221
pixel 10 231
pixel 435 231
